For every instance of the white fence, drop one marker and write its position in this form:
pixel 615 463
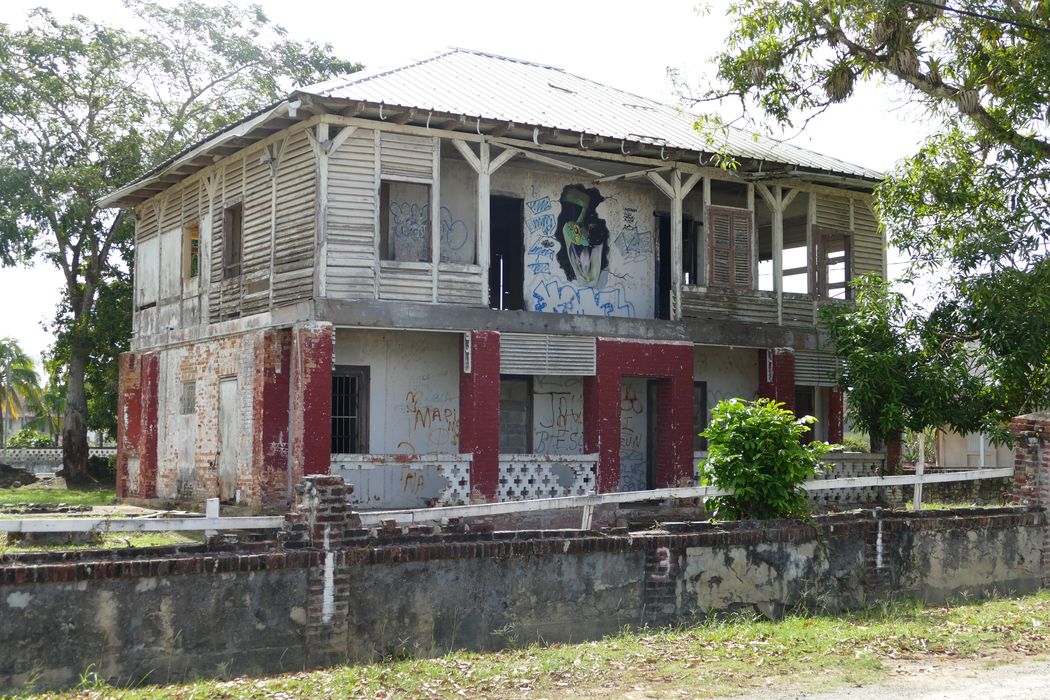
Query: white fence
pixel 211 522
pixel 40 460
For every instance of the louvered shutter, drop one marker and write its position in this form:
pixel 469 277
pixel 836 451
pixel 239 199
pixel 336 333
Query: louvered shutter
pixel 559 355
pixel 730 248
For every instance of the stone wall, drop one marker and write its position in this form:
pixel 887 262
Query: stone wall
pixel 328 591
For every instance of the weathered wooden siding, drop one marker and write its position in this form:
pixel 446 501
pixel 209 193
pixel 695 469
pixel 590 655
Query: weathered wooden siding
pixel 797 309
pixel 459 284
pixel 722 304
pixel 399 281
pixel 869 250
pixel 854 215
pixel 406 155
pixel 293 253
pixel 351 223
pixel 255 260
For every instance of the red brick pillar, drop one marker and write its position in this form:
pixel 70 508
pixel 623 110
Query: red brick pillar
pixel 479 411
pixel 271 417
pixel 1032 469
pixel 601 419
pixel 893 456
pixel 671 364
pixel 310 417
pixel 835 416
pixel 137 425
pixel 776 376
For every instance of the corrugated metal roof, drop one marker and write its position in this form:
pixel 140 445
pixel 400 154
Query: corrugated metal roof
pixel 462 81
pixel 499 89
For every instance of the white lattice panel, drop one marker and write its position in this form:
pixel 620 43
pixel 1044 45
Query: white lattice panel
pixel 523 477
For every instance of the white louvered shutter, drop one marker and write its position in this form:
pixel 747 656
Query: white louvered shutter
pixel 558 355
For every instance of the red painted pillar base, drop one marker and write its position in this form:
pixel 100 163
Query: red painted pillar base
pixel 835 416
pixel 479 412
pixel 893 456
pixel 310 418
pixel 776 376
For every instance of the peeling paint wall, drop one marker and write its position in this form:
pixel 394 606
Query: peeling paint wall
pixel 625 286
pixel 730 373
pixel 413 388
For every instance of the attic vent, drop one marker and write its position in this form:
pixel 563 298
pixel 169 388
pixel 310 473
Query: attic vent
pixel 563 89
pixel 816 368
pixel 525 353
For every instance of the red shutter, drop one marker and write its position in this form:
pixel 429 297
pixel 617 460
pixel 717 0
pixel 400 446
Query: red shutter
pixel 729 245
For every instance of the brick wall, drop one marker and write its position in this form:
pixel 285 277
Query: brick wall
pixel 137 405
pixel 479 413
pixel 1032 466
pixel 669 363
pixel 329 592
pixel 776 376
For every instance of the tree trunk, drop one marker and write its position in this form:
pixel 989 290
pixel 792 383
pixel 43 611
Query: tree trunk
pixel 74 429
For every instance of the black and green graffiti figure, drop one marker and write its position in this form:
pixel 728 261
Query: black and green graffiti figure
pixel 584 236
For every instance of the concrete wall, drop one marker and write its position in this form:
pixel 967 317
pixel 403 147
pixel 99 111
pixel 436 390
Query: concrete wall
pixel 730 373
pixel 557 415
pixel 335 593
pixel 625 284
pixel 413 388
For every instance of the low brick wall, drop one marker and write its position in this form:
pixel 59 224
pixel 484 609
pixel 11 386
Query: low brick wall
pixel 329 592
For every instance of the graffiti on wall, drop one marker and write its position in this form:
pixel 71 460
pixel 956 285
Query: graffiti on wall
pixel 633 435
pixel 634 244
pixel 432 421
pixel 578 266
pixel 454 232
pixel 559 424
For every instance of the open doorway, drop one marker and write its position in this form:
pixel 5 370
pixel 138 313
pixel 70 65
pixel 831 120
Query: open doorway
pixel 664 271
pixel 507 254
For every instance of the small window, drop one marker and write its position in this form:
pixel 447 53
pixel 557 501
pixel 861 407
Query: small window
pixel 691 232
pixel 232 237
pixel 699 416
pixel 350 410
pixel 404 221
pixel 188 398
pixel 191 251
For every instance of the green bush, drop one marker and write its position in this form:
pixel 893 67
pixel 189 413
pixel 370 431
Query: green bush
pixel 27 437
pixel 855 444
pixel 754 448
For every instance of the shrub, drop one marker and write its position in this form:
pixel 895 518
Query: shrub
pixel 27 437
pixel 855 444
pixel 754 448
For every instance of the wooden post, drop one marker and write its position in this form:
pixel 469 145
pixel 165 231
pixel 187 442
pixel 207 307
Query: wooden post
pixel 211 511
pixel 484 181
pixel 920 469
pixel 675 311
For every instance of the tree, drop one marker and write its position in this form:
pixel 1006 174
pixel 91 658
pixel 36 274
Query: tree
pixel 88 107
pixel 972 206
pixel 19 384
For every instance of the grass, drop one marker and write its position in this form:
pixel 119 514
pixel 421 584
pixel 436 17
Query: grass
pixel 111 540
pixel 739 654
pixel 87 496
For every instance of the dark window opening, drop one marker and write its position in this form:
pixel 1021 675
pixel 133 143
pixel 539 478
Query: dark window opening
pixel 515 415
pixel 664 271
pixel 404 221
pixel 191 251
pixel 699 416
pixel 350 410
pixel 507 254
pixel 232 237
pixel 806 405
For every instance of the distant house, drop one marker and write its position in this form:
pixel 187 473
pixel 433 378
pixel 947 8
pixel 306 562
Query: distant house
pixel 473 277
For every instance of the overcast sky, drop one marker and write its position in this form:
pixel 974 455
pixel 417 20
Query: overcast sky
pixel 628 45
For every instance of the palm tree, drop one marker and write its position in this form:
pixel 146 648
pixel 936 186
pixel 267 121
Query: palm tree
pixel 48 408
pixel 19 384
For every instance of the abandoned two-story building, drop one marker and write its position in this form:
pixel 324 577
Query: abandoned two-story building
pixel 473 277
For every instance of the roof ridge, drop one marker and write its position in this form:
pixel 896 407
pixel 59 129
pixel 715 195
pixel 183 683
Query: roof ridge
pixel 365 75
pixel 489 54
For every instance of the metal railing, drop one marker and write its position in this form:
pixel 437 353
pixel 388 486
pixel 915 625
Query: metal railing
pixel 211 522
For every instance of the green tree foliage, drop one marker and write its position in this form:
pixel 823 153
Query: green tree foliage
pixel 971 208
pixel 19 383
pixel 88 107
pixel 29 438
pixel 755 449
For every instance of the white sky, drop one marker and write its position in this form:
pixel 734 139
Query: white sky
pixel 624 43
